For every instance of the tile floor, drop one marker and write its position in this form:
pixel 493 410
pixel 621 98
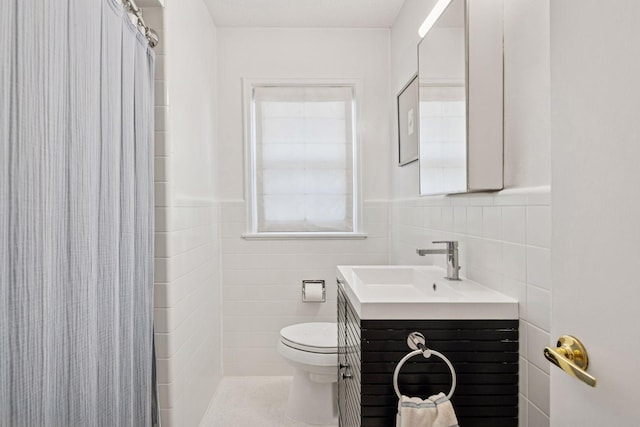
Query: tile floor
pixel 250 401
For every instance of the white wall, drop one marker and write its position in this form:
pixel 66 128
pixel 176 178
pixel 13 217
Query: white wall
pixel 505 236
pixel 526 91
pixel 262 279
pixel 304 53
pixel 187 271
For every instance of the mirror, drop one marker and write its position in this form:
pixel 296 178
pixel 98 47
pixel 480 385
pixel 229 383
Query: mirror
pixel 442 80
pixel 460 77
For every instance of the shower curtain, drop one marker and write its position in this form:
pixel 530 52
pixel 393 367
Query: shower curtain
pixel 76 215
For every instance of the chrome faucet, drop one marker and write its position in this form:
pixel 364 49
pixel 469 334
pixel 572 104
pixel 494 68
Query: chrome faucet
pixel 452 257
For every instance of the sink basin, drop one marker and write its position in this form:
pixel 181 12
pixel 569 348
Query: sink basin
pixel 420 292
pixel 397 283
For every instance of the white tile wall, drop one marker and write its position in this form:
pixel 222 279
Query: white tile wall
pixel 504 244
pixel 187 315
pixel 262 282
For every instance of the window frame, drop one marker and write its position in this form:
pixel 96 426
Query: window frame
pixel 248 113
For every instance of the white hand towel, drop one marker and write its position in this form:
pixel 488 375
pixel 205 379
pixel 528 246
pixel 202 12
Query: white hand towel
pixel 436 411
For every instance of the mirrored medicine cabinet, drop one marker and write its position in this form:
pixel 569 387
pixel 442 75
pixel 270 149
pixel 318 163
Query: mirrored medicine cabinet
pixel 460 79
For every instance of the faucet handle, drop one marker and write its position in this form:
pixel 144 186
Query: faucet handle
pixel 451 244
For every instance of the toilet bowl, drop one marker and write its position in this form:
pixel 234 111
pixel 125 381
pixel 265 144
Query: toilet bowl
pixel 312 349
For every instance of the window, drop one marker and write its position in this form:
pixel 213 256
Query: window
pixel 302 167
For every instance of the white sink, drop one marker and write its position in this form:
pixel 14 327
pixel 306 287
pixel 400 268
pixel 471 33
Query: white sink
pixel 420 292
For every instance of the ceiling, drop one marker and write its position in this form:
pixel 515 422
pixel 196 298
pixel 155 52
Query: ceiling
pixel 304 13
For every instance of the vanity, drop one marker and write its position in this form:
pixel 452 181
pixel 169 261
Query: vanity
pixel 475 327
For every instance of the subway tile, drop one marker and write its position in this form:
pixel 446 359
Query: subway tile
pixel 539 307
pixel 539 196
pixel 191 260
pixel 239 362
pixel 516 290
pixel 514 224
pixel 483 200
pixel 539 267
pixel 160 169
pixel 161 97
pixel 522 411
pixel 474 220
pixel 492 223
pixel 506 198
pixel 254 323
pixel 447 219
pixel 160 117
pixel 178 289
pixel 161 193
pixel 537 341
pixel 460 219
pixel 522 331
pixel 161 270
pixel 164 370
pixel 161 147
pixel 168 416
pixel 270 277
pixel 166 394
pixel 487 278
pixel 432 217
pixel 178 323
pixel 514 261
pixel 522 376
pixel 284 292
pixel 160 73
pixel 161 293
pixel 161 244
pixel 179 242
pixel 435 200
pixel 539 226
pixel 538 388
pixel 278 308
pixel 490 256
pixel 536 418
pixel 459 200
pixel 414 216
pixel 187 217
pixel 252 340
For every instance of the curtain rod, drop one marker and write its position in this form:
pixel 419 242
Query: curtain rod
pixel 131 7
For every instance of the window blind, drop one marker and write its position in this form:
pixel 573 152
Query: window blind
pixel 303 159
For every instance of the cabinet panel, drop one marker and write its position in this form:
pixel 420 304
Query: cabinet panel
pixel 483 352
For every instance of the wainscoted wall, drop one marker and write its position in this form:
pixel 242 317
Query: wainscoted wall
pixel 262 278
pixel 262 282
pixel 187 240
pixel 505 236
pixel 186 316
pixel 504 244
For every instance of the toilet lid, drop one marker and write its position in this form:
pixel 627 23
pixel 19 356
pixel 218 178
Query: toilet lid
pixel 317 337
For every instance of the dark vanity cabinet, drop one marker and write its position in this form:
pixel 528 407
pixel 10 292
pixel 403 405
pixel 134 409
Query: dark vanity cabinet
pixel 484 354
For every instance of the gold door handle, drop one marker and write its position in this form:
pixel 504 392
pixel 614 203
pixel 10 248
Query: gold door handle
pixel 571 357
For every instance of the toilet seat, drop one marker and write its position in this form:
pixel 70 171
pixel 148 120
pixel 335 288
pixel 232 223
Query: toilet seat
pixel 316 337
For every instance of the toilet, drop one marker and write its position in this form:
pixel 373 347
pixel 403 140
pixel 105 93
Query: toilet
pixel 312 349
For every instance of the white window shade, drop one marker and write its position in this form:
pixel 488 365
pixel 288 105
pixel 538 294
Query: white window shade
pixel 303 157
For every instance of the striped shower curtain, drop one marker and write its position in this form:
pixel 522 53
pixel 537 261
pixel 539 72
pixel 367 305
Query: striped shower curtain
pixel 76 215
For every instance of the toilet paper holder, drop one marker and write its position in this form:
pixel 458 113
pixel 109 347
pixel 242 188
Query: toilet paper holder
pixel 311 297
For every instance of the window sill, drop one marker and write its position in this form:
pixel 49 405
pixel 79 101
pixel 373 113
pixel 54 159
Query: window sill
pixel 305 236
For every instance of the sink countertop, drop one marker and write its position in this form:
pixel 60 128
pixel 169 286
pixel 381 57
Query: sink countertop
pixel 420 293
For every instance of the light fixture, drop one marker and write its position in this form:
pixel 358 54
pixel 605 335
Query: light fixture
pixel 431 19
